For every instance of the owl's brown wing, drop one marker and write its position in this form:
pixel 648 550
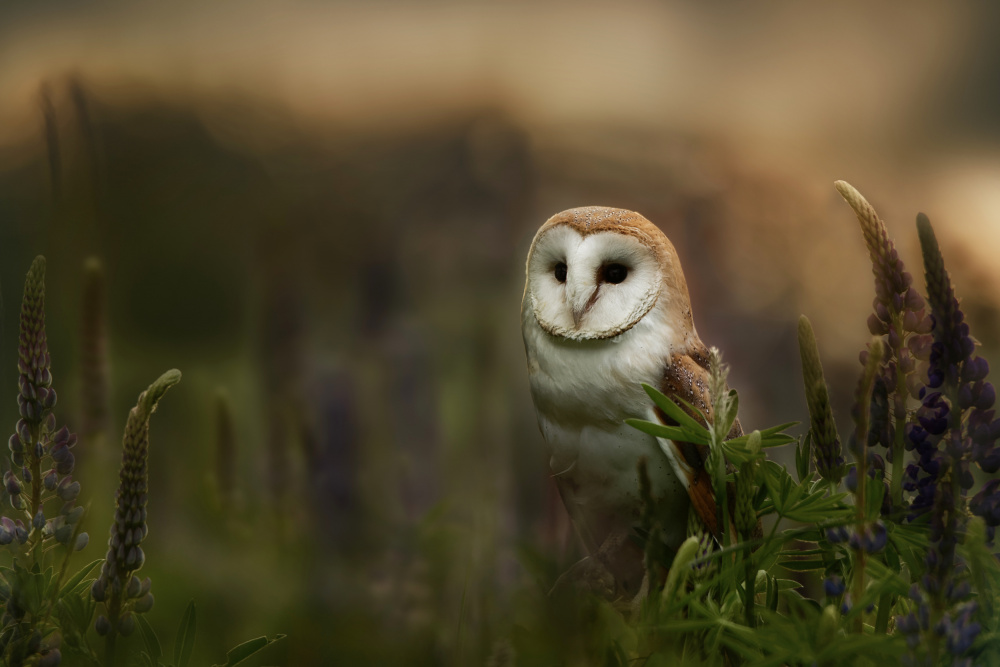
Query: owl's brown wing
pixel 687 377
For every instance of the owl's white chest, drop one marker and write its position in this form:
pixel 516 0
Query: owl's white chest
pixel 583 391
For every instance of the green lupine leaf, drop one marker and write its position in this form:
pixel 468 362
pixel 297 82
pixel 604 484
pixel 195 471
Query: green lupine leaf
pixel 802 565
pixel 149 639
pixel 803 452
pixel 239 653
pixel 661 431
pixel 184 643
pixel 671 409
pixel 79 577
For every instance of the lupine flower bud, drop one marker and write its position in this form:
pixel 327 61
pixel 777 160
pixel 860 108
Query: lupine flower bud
pixel 144 604
pixel 132 590
pixel 126 624
pixel 33 349
pixel 834 586
pixel 97 589
pixel 11 484
pixel 102 625
pixel 63 533
pixel 68 490
pixel 837 535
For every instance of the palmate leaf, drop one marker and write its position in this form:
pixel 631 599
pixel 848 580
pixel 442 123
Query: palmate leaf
pixel 806 502
pixel 688 429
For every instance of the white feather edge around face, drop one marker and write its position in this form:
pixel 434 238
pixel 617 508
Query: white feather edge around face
pixel 613 309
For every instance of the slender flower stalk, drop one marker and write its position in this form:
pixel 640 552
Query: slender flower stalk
pixel 864 540
pixel 825 440
pixel 225 450
pixel 724 408
pixel 121 591
pixel 40 476
pixel 746 523
pixel 954 428
pixel 899 318
pixel 94 371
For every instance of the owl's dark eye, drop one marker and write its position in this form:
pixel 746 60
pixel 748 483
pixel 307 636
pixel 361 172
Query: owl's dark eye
pixel 614 273
pixel 560 272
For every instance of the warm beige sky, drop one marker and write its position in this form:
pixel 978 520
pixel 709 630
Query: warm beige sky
pixel 809 94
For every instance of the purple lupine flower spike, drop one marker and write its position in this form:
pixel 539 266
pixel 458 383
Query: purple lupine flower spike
pixel 118 587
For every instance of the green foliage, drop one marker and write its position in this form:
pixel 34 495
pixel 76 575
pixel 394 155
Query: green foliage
pixel 46 612
pixel 848 570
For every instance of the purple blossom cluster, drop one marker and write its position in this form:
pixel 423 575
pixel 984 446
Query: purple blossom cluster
pixel 39 484
pixel 899 318
pixel 954 428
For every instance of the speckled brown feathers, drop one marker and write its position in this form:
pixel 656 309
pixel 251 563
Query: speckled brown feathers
pixel 687 377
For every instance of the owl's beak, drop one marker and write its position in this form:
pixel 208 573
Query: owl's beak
pixel 581 304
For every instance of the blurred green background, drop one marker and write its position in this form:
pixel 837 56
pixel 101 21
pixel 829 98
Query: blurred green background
pixel 322 210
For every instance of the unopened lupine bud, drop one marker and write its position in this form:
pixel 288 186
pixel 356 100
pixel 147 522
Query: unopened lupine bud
pixel 126 624
pixel 51 480
pixel 11 484
pixel 128 529
pixel 63 533
pixel 825 440
pixel 68 490
pixel 38 521
pixel 33 350
pixel 834 586
pixel 144 604
pixel 97 589
pixel 132 590
pixel 102 625
pixel 82 540
pixel 71 513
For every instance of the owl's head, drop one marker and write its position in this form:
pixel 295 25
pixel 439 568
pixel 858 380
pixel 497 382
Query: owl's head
pixel 595 272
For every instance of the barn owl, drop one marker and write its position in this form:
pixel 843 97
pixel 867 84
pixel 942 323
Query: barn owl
pixel 605 309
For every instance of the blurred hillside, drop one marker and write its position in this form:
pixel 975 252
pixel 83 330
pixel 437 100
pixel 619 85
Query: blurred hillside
pixel 324 210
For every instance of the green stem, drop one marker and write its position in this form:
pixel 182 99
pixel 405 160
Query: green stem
pixel 884 607
pixel 750 582
pixel 113 609
pixel 896 482
pixel 861 463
